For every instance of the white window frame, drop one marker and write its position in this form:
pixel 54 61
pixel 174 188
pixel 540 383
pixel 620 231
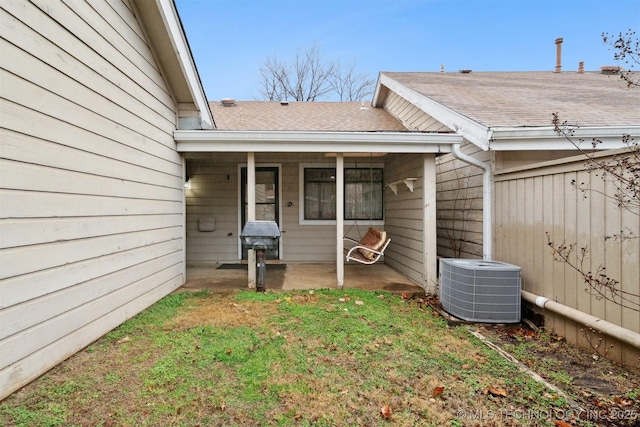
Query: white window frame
pixel 301 195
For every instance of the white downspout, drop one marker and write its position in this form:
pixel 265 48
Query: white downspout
pixel 487 202
pixel 624 335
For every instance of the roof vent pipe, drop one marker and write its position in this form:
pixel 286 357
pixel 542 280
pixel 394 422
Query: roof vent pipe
pixel 487 213
pixel 558 55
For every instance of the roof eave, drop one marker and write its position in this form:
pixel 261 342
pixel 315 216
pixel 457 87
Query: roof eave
pixel 474 132
pixel 545 138
pixel 314 141
pixel 182 58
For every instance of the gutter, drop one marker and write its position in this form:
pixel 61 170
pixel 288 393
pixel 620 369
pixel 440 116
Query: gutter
pixel 487 213
pixel 545 138
pixel 313 141
pixel 622 334
pixel 477 133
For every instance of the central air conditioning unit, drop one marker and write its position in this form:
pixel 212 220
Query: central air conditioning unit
pixel 480 291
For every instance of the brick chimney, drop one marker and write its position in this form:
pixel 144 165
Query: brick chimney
pixel 581 67
pixel 558 55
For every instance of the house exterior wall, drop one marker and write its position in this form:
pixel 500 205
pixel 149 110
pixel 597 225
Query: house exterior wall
pixel 215 190
pixel 458 188
pixel 533 201
pixel 459 204
pixel 91 184
pixel 406 222
pixel 513 159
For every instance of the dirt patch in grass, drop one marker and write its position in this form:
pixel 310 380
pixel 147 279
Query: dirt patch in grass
pixel 222 311
pixel 608 394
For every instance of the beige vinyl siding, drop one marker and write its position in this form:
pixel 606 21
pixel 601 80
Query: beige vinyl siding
pixel 91 185
pixel 412 117
pixel 459 201
pixel 404 216
pixel 532 201
pixel 458 189
pixel 304 242
pixel 213 193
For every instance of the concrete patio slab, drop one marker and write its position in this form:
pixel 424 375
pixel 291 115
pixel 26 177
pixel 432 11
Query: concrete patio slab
pixel 297 276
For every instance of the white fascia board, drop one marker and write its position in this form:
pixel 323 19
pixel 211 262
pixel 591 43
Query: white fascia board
pixel 314 141
pixel 181 46
pixel 471 130
pixel 545 138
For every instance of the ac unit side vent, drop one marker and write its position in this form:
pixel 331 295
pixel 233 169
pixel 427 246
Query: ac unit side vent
pixel 480 291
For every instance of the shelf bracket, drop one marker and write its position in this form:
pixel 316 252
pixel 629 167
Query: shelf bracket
pixel 407 181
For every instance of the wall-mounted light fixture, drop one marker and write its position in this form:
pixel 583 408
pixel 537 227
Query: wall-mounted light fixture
pixel 187 182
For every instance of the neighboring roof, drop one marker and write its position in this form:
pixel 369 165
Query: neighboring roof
pixel 497 109
pixel 318 127
pixel 500 99
pixel 304 116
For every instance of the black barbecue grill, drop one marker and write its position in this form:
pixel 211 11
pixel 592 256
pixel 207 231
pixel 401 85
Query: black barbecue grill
pixel 260 236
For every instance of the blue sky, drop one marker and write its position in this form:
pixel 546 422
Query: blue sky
pixel 230 39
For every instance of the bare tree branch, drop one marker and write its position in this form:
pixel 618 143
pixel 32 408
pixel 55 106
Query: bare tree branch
pixel 621 170
pixel 310 78
pixel 604 286
pixel 627 51
pixel 351 86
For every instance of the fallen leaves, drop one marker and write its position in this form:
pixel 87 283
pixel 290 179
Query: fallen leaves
pixel 385 412
pixel 437 391
pixel 123 340
pixel 496 392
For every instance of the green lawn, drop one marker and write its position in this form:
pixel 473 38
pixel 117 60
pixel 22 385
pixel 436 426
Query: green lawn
pixel 323 358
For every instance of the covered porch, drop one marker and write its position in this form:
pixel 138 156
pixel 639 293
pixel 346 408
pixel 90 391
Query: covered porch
pixel 315 179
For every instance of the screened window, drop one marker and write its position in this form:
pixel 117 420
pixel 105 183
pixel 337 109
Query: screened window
pixel 363 193
pixel 320 193
pixel 363 190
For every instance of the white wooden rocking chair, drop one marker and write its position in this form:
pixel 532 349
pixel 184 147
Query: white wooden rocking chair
pixel 369 249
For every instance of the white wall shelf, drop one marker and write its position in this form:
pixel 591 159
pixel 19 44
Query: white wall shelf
pixel 407 181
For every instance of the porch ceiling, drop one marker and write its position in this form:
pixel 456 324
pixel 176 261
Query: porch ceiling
pixel 314 141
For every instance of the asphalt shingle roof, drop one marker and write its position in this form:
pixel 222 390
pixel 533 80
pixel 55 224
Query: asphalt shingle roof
pixel 304 116
pixel 529 98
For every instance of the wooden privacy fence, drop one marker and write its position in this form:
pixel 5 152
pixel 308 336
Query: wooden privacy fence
pixel 535 200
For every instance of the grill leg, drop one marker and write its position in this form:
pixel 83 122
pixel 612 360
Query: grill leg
pixel 261 280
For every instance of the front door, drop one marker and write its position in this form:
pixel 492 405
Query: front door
pixel 267 201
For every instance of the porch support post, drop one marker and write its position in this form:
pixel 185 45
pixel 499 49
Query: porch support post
pixel 429 231
pixel 340 219
pixel 251 215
